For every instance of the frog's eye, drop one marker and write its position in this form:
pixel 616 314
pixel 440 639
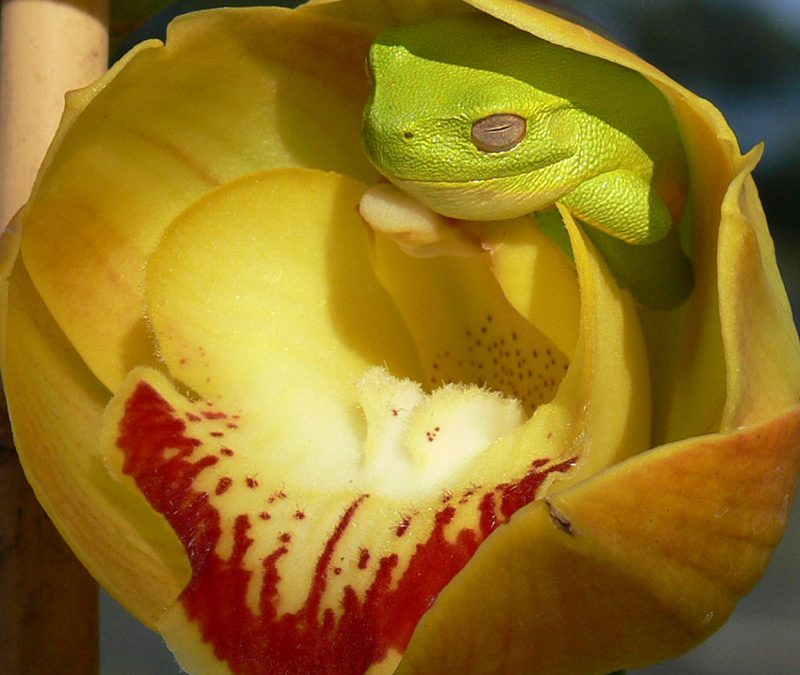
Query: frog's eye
pixel 498 133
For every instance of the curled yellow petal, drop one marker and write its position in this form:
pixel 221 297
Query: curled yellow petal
pixel 762 350
pixel 597 579
pixel 57 408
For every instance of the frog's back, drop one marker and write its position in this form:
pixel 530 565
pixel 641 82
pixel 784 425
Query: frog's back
pixel 622 101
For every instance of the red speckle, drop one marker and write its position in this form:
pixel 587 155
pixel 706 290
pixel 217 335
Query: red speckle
pixel 193 418
pixel 214 415
pixel 347 640
pixel 226 451
pixel 337 571
pixel 468 493
pixel 299 515
pixel 274 497
pixel 363 558
pixel 251 482
pixel 183 360
pixel 222 485
pixel 402 528
pixel 232 425
pixel 264 515
pixel 217 434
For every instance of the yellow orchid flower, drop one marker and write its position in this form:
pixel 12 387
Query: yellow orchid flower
pixel 292 448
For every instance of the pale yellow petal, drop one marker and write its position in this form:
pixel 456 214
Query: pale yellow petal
pixel 538 279
pixel 232 92
pixel 761 345
pixel 261 293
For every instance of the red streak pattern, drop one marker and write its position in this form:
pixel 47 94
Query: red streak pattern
pixel 159 456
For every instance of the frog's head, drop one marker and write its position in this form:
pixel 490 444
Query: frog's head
pixel 447 115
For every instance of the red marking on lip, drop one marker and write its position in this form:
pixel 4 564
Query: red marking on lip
pixel 223 484
pixel 363 558
pixel 165 463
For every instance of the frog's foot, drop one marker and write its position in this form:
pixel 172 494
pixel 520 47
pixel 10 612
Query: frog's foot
pixel 420 232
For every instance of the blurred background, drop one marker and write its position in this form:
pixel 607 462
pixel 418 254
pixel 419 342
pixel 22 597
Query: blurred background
pixel 743 55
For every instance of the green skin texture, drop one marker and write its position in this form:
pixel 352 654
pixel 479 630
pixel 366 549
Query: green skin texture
pixel 600 139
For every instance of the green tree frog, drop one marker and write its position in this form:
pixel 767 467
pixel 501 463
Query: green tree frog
pixel 478 120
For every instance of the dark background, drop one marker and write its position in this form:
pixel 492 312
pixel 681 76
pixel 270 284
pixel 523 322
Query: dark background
pixel 743 55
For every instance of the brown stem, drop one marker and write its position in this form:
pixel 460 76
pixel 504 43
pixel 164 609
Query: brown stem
pixel 48 602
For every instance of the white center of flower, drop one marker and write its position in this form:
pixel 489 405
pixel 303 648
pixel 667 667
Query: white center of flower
pixel 418 439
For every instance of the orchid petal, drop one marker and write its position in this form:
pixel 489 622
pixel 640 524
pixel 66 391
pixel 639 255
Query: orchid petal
pixel 57 407
pixel 236 120
pixel 591 580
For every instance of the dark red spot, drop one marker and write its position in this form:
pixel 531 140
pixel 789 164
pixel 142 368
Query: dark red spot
pixel 337 571
pixel 264 515
pixel 299 515
pixel 193 418
pixel 285 537
pixel 217 434
pixel 214 415
pixel 363 558
pixel 232 425
pixel 222 485
pixel 402 528
pixel 226 451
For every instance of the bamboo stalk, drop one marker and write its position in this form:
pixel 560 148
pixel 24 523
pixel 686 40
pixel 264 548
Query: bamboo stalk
pixel 48 47
pixel 48 602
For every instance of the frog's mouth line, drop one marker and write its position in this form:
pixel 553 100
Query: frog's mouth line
pixel 499 198
pixel 528 172
pixel 511 187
